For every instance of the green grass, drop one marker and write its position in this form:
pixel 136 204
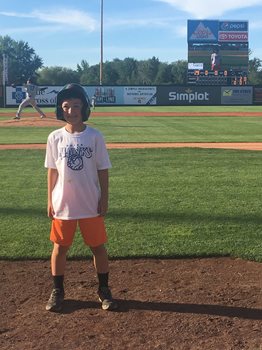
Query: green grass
pixel 156 109
pixel 180 129
pixel 154 129
pixel 163 202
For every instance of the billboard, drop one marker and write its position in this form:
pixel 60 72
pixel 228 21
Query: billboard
pixel 204 31
pixel 46 95
pixel 237 95
pixel 257 95
pixel 123 95
pixel 162 95
pixel 185 96
pixel 105 95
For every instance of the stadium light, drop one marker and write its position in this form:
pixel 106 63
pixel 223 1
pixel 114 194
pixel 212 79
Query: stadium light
pixel 101 42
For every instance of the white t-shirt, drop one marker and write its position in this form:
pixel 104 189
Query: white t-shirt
pixel 77 158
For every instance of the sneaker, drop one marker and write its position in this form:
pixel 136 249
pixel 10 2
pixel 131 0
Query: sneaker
pixel 55 301
pixel 16 117
pixel 105 296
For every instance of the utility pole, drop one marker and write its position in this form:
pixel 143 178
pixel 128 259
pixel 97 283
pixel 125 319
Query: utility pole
pixel 101 42
pixel 5 76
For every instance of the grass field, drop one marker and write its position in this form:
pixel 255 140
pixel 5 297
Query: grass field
pixel 155 109
pixel 154 129
pixel 163 202
pixel 157 129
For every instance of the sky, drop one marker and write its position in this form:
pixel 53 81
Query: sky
pixel 65 32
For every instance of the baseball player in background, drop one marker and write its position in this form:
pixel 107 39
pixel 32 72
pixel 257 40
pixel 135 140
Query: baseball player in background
pixel 215 60
pixel 31 92
pixel 93 102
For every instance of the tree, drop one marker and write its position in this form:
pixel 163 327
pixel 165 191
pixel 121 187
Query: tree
pixel 179 72
pixel 255 72
pixel 57 76
pixel 147 71
pixel 22 59
pixel 83 67
pixel 127 70
pixel 90 76
pixel 164 74
pixel 110 73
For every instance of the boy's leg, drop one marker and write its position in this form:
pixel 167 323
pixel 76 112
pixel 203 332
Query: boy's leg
pixel 100 259
pixel 102 268
pixel 58 259
pixel 94 234
pixel 58 262
pixel 62 233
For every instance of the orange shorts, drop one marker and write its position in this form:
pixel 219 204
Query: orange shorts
pixel 92 229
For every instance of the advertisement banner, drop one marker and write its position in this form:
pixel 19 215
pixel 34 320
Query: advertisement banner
pixel 257 95
pixel 237 95
pixel 46 95
pixel 233 26
pixel 104 95
pixel 233 37
pixel 140 95
pixel 148 95
pixel 202 31
pixel 233 31
pixel 185 96
pixel 194 66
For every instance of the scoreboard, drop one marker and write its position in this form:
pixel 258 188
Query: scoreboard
pixel 221 77
pixel 218 52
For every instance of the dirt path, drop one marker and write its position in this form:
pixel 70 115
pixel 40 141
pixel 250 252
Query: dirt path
pixel 254 146
pixel 154 114
pixel 174 304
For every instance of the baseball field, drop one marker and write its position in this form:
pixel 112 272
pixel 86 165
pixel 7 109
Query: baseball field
pixel 184 227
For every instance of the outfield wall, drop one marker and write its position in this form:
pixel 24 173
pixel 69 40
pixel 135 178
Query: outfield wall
pixel 162 95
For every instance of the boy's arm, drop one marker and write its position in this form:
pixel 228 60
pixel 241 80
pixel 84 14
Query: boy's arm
pixel 52 175
pixel 104 183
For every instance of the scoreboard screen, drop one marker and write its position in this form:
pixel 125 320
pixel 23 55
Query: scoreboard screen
pixel 232 56
pixel 217 77
pixel 220 49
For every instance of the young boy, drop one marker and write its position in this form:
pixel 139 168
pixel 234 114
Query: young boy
pixel 31 91
pixel 78 163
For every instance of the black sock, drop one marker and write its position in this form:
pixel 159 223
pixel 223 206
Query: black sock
pixel 103 279
pixel 59 282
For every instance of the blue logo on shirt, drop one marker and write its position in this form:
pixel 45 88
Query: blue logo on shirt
pixel 75 156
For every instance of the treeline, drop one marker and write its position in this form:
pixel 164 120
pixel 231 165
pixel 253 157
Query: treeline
pixel 23 62
pixel 118 72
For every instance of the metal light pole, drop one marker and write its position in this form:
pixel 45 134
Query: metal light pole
pixel 5 76
pixel 101 43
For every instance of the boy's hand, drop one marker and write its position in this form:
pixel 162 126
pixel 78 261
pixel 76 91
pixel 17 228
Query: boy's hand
pixel 50 211
pixel 102 207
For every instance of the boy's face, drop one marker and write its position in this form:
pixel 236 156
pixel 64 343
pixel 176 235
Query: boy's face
pixel 72 111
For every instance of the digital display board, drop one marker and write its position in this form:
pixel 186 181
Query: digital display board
pixel 218 46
